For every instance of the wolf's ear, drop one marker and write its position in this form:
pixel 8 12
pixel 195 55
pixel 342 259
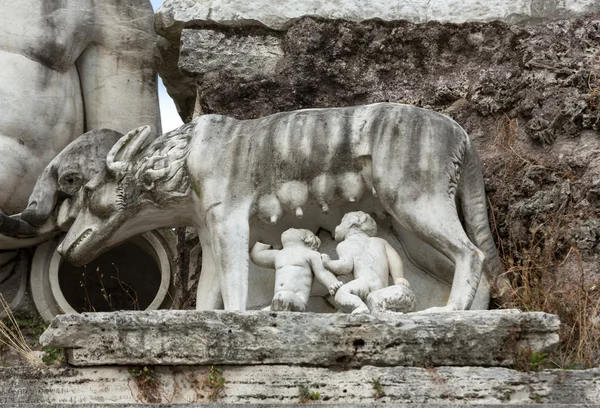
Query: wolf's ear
pixel 120 157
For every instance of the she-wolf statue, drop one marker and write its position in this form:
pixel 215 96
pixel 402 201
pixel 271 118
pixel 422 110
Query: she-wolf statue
pixel 226 176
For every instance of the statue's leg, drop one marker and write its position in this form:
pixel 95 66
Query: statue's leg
pixel 349 297
pixel 208 295
pixel 435 221
pixel 287 301
pixel 229 235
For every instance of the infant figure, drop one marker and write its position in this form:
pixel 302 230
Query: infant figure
pixel 370 259
pixel 294 266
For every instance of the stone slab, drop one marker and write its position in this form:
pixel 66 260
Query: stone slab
pixel 178 337
pixel 221 405
pixel 279 385
pixel 203 51
pixel 174 15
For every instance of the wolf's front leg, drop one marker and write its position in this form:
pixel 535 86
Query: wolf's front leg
pixel 208 296
pixel 229 234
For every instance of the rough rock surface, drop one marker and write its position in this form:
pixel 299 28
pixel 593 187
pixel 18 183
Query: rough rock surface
pixel 395 298
pixel 527 94
pixel 280 14
pixel 242 56
pixel 174 337
pixel 280 385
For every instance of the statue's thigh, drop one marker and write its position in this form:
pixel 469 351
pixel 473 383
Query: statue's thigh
pixel 358 287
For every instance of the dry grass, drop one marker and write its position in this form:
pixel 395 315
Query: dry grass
pixel 11 336
pixel 545 271
pixel 538 283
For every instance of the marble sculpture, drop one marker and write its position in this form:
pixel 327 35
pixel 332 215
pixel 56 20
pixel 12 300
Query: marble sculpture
pixel 294 265
pixel 369 259
pixel 224 175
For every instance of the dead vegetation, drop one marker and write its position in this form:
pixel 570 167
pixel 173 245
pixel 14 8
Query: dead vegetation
pixel 12 337
pixel 147 383
pixel 532 212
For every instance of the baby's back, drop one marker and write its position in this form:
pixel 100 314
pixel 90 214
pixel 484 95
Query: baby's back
pixel 370 259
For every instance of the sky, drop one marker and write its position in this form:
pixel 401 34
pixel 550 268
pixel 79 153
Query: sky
pixel 168 113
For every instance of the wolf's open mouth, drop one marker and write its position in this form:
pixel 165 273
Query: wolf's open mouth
pixel 78 241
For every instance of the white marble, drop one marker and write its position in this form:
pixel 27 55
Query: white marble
pixel 67 67
pixel 295 265
pixel 370 260
pixel 310 166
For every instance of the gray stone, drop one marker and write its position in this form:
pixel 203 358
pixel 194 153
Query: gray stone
pixel 275 385
pixel 486 338
pixel 240 55
pixel 395 298
pixel 176 14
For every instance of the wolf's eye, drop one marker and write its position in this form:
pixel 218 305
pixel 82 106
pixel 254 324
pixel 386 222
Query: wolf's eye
pixel 103 203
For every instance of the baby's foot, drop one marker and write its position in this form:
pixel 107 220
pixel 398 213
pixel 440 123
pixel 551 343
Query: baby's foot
pixel 361 309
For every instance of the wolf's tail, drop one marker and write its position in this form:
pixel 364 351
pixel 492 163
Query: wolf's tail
pixel 472 198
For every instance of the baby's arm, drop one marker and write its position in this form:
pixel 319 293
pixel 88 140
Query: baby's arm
pixel 344 265
pixel 263 256
pixel 323 275
pixel 395 265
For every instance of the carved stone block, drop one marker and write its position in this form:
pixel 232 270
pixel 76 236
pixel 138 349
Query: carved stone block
pixel 178 337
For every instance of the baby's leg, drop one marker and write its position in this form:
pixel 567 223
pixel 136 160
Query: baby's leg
pixel 349 297
pixel 288 301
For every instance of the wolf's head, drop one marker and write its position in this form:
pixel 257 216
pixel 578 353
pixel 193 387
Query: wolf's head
pixel 109 203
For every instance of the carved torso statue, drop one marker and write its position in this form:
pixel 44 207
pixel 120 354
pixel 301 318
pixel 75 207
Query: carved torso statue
pixel 68 66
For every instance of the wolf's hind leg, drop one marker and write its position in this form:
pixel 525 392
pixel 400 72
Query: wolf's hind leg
pixel 435 221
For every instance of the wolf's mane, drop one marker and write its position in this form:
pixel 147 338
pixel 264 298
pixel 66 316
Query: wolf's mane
pixel 161 164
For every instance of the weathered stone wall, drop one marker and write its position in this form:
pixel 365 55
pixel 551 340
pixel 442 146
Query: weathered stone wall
pixel 521 80
pixel 279 385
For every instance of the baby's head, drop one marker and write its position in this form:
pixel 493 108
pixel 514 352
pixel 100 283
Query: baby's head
pixel 356 221
pixel 304 236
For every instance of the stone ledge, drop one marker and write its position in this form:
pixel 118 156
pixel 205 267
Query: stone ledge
pixel 220 405
pixel 278 385
pixel 177 337
pixel 174 15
